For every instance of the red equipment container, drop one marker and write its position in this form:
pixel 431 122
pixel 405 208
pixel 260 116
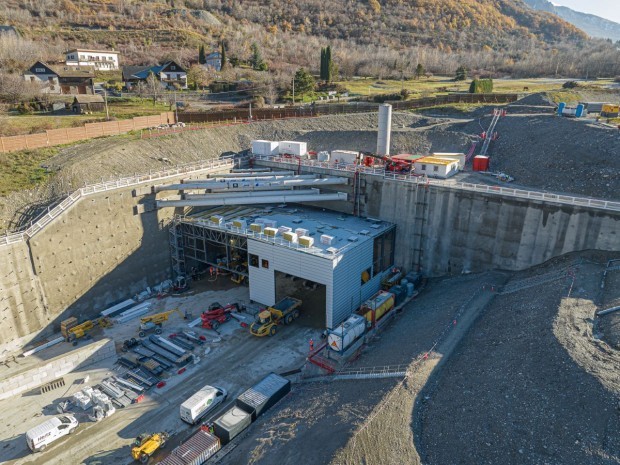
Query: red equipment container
pixel 481 163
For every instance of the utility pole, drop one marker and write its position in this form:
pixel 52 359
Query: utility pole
pixel 250 112
pixel 176 109
pixel 105 100
pixel 293 90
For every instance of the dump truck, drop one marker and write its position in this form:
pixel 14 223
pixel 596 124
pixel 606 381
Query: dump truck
pixel 147 444
pixel 285 311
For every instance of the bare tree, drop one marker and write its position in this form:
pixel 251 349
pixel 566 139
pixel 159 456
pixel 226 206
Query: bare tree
pixel 14 89
pixel 154 86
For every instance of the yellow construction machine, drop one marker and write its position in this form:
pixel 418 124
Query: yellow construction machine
pixel 147 444
pixel 267 320
pixel 154 322
pixel 72 331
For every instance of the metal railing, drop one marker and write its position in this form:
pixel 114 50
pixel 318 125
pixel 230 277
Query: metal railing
pixel 47 217
pixel 484 188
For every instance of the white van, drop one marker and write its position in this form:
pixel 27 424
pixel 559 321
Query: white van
pixel 205 400
pixel 40 436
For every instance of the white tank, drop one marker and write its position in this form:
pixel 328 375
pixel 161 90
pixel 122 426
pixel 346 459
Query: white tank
pixel 323 156
pixel 409 289
pixel 345 334
pixel 385 129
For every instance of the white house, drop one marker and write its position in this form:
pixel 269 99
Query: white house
pixel 214 60
pixel 172 74
pixel 435 167
pixel 104 60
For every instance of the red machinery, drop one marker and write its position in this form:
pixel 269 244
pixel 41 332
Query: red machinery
pixel 218 314
pixel 397 166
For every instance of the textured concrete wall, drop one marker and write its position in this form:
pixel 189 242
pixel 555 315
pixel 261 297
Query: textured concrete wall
pixel 106 248
pixel 56 367
pixel 454 231
pixel 22 310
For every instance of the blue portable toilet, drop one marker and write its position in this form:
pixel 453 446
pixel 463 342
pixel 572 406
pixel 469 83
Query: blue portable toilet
pixel 561 107
pixel 579 112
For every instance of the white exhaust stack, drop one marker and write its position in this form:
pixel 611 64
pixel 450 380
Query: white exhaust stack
pixel 385 129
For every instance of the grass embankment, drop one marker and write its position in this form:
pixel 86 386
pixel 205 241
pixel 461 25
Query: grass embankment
pixel 22 170
pixel 121 108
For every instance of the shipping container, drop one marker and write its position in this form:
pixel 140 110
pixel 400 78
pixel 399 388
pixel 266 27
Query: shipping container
pixel 481 163
pixel 346 157
pixel 231 424
pixel 195 451
pixel 347 333
pixel 377 306
pixel 264 147
pixel 292 148
pixel 263 395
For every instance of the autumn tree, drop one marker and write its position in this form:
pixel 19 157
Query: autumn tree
pixel 197 77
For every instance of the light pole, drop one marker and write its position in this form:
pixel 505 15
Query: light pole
pixel 105 100
pixel 176 109
pixel 293 90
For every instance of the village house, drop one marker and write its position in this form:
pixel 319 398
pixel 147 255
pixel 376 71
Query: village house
pixel 170 74
pixel 87 104
pixel 214 60
pixel 104 60
pixel 61 79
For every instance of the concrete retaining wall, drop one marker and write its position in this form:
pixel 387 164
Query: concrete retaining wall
pixel 106 248
pixel 446 230
pixel 56 367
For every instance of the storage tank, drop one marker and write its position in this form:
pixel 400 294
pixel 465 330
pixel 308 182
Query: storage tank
pixel 385 129
pixel 377 306
pixel 410 289
pixel 344 335
pixel 323 156
pixel 263 395
pixel 231 424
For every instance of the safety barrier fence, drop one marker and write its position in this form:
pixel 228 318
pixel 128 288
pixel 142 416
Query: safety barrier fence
pixel 451 184
pixel 73 198
pixel 88 131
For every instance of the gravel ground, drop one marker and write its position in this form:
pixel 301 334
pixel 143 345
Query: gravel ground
pixel 529 383
pixel 330 421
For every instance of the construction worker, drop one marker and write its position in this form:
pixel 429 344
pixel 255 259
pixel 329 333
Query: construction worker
pixel 311 345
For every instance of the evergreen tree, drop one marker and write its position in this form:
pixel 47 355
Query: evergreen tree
pixel 461 73
pixel 257 59
pixel 201 55
pixel 304 82
pixel 322 72
pixel 223 56
pixel 419 71
pixel 328 63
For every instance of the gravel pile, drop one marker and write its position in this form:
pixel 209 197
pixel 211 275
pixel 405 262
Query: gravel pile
pixel 528 385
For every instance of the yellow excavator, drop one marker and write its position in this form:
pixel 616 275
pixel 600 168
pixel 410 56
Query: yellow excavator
pixel 154 322
pixel 147 444
pixel 72 331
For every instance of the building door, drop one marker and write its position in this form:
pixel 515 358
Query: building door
pixel 313 296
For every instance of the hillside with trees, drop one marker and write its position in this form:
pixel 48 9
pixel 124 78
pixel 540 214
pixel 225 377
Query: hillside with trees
pixel 381 38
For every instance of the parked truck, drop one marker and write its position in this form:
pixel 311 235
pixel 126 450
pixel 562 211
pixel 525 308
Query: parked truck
pixel 285 311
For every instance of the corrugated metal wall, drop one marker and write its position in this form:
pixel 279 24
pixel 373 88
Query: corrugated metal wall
pixel 303 265
pixel 341 276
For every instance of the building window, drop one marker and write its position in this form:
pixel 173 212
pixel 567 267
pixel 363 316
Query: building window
pixel 435 168
pixel 31 78
pixel 265 263
pixel 39 70
pixel 51 80
pixel 173 68
pixel 423 167
pixel 254 260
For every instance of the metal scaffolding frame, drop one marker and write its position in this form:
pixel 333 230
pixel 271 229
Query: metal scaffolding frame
pixel 196 238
